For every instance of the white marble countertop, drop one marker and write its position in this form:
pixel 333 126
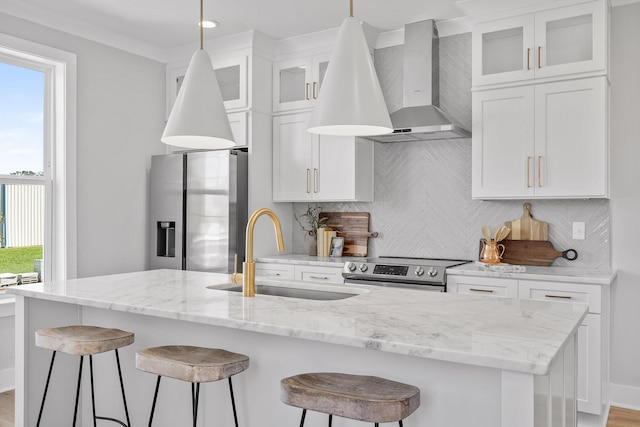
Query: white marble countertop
pixel 508 334
pixel 301 259
pixel 556 274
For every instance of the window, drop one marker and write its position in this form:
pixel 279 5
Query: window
pixel 22 173
pixel 37 153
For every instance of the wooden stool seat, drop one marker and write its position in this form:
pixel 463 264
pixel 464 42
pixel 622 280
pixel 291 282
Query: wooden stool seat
pixel 192 364
pixel 363 398
pixel 83 340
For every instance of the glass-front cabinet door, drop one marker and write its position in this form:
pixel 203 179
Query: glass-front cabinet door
pixel 557 42
pixel 571 40
pixel 297 82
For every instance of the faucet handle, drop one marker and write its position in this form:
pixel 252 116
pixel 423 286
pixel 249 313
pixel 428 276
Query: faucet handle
pixel 235 276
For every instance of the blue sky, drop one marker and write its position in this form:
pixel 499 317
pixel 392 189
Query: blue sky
pixel 21 119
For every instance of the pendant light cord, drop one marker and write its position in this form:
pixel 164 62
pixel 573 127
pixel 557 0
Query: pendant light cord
pixel 201 24
pixel 351 8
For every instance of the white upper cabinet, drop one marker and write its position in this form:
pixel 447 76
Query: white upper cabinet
pixel 319 167
pixel 541 141
pixel 565 41
pixel 232 79
pixel 297 82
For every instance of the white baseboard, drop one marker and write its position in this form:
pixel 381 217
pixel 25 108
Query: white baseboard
pixel 7 379
pixel 624 396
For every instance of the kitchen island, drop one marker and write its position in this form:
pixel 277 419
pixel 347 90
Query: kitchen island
pixel 478 361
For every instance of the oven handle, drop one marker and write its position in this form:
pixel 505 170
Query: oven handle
pixel 430 288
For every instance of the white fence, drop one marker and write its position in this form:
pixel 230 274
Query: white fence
pixel 23 210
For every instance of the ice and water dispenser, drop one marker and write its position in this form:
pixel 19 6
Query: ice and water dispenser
pixel 166 239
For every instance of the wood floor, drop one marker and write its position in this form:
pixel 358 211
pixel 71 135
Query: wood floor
pixel 6 409
pixel 618 417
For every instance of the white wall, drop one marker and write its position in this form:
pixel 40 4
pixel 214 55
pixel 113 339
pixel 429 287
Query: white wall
pixel 625 204
pixel 121 111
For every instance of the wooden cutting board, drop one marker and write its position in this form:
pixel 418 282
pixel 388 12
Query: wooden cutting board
pixel 354 227
pixel 527 228
pixel 533 252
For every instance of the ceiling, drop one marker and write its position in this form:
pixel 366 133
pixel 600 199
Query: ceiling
pixel 167 24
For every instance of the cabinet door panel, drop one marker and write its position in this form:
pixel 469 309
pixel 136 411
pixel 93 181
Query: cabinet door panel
pixel 291 158
pixel 571 39
pixel 292 84
pixel 503 143
pixel 502 50
pixel 334 164
pixel 589 390
pixel 571 148
pixel 331 275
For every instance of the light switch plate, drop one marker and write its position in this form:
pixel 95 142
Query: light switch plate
pixel 578 231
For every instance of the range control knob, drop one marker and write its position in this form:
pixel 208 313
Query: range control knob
pixel 363 267
pixel 351 266
pixel 432 272
pixel 419 271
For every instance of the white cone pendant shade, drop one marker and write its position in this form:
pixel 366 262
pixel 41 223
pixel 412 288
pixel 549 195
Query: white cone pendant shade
pixel 350 101
pixel 198 119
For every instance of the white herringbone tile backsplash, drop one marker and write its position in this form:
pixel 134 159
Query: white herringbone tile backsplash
pixel 423 204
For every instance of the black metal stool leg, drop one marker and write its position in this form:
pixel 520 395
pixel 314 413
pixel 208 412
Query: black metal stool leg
pixel 304 412
pixel 75 411
pixel 400 423
pixel 330 419
pixel 124 398
pixel 155 398
pixel 233 403
pixel 93 398
pixel 46 387
pixel 195 398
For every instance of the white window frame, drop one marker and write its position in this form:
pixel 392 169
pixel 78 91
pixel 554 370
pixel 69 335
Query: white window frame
pixel 60 240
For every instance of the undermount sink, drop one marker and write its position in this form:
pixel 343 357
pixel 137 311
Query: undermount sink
pixel 281 291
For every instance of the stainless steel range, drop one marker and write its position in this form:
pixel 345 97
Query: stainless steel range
pixel 417 273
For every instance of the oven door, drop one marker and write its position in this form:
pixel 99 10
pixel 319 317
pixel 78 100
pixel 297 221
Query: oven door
pixel 418 286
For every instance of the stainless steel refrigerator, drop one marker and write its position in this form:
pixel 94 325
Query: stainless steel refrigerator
pixel 198 210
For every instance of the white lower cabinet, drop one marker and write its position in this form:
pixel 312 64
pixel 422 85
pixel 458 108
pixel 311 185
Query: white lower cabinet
pixel 591 352
pixel 305 273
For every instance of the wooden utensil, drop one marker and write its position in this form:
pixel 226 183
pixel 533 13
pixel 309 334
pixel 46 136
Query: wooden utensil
pixel 486 232
pixel 527 228
pixel 502 233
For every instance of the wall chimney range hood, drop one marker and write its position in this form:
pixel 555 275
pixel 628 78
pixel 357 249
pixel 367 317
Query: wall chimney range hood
pixel 421 119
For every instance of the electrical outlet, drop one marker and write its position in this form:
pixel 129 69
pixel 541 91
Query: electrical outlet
pixel 578 231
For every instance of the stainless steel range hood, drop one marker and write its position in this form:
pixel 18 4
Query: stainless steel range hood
pixel 421 119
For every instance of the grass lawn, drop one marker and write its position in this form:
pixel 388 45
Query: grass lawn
pixel 19 260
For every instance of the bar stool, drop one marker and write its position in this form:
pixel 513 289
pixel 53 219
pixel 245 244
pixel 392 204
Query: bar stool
pixel 364 398
pixel 83 341
pixel 191 364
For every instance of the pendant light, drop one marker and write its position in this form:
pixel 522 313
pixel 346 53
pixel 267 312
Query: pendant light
pixel 351 101
pixel 198 118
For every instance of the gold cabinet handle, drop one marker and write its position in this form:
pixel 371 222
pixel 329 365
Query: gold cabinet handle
pixel 315 180
pixel 528 58
pixel 529 172
pixel 539 170
pixel 539 49
pixel 489 291
pixel 306 91
pixel 315 90
pixel 308 171
pixel 319 277
pixel 559 296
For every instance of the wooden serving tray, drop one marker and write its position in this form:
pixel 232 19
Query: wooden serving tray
pixel 354 227
pixel 532 252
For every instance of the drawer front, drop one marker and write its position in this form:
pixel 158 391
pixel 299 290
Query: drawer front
pixel 331 275
pixel 562 292
pixel 275 271
pixel 488 286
